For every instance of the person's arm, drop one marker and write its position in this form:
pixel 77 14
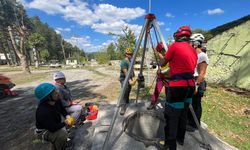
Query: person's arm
pixel 63 110
pixel 125 71
pixel 168 56
pixel 47 121
pixel 164 62
pixel 202 72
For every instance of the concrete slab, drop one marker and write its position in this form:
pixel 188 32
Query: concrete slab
pixel 121 141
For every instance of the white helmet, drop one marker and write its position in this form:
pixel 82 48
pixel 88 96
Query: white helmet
pixel 197 39
pixel 58 75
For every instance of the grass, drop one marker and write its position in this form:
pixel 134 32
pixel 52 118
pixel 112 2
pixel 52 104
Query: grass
pixel 223 112
pixel 10 69
pixel 22 79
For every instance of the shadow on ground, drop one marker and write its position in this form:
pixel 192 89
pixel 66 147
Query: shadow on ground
pixel 18 115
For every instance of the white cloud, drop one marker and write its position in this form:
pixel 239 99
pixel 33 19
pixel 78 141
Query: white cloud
pixel 115 27
pixel 50 7
pixel 62 29
pixel 161 23
pixel 215 11
pixel 167 29
pixel 57 31
pixel 103 18
pixel 110 13
pixel 67 29
pixel 86 44
pixel 169 15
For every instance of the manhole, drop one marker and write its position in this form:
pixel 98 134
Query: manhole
pixel 146 127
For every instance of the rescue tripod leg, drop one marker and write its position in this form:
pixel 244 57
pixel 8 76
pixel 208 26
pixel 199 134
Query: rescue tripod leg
pixel 204 143
pixel 149 19
pixel 152 22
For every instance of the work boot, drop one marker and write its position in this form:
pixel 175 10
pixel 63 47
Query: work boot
pixel 123 109
pixel 190 128
pixel 151 106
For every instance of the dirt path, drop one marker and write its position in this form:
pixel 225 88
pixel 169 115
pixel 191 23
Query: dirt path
pixel 17 114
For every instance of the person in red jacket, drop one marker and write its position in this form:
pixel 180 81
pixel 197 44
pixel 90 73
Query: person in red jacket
pixel 182 60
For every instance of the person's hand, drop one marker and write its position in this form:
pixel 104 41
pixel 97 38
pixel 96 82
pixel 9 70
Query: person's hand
pixel 196 88
pixel 73 103
pixel 69 120
pixel 133 81
pixel 159 70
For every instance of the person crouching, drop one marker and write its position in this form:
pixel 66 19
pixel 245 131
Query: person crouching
pixel 51 116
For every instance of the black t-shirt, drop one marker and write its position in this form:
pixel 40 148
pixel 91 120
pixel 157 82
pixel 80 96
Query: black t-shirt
pixel 49 116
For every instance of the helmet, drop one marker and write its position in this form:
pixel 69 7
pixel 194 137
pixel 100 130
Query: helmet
pixel 43 90
pixel 197 37
pixel 129 51
pixel 183 30
pixel 159 47
pixel 58 75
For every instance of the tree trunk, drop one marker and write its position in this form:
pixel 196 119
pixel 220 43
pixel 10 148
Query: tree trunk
pixel 64 55
pixel 21 51
pixel 35 57
pixel 14 57
pixel 5 54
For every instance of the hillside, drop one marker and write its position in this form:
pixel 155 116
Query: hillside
pixel 229 53
pixel 229 25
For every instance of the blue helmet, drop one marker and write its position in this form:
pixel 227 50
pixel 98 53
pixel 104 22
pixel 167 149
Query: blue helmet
pixel 43 90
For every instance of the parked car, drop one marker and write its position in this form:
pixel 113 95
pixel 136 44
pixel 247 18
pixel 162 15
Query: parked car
pixel 137 65
pixel 153 64
pixel 54 64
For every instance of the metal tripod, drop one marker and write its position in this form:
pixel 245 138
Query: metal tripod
pixel 150 21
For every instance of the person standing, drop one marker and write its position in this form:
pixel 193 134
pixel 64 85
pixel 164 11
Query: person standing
pixel 125 63
pixel 182 60
pixel 162 79
pixel 197 41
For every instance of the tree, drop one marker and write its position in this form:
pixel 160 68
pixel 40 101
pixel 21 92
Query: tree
pixel 2 47
pixel 102 57
pixel 124 41
pixel 36 43
pixel 17 31
pixel 111 51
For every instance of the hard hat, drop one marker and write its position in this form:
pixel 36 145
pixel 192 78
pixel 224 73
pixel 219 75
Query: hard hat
pixel 160 47
pixel 58 75
pixel 43 90
pixel 197 37
pixel 183 31
pixel 129 51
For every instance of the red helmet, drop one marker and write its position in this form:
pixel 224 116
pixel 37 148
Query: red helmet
pixel 183 30
pixel 160 47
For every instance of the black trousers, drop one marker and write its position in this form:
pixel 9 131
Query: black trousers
pixel 127 92
pixel 197 110
pixel 176 119
pixel 175 129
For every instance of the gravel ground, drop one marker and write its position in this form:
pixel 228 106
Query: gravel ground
pixel 18 113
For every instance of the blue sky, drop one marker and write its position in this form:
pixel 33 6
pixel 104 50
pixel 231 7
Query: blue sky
pixel 87 23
